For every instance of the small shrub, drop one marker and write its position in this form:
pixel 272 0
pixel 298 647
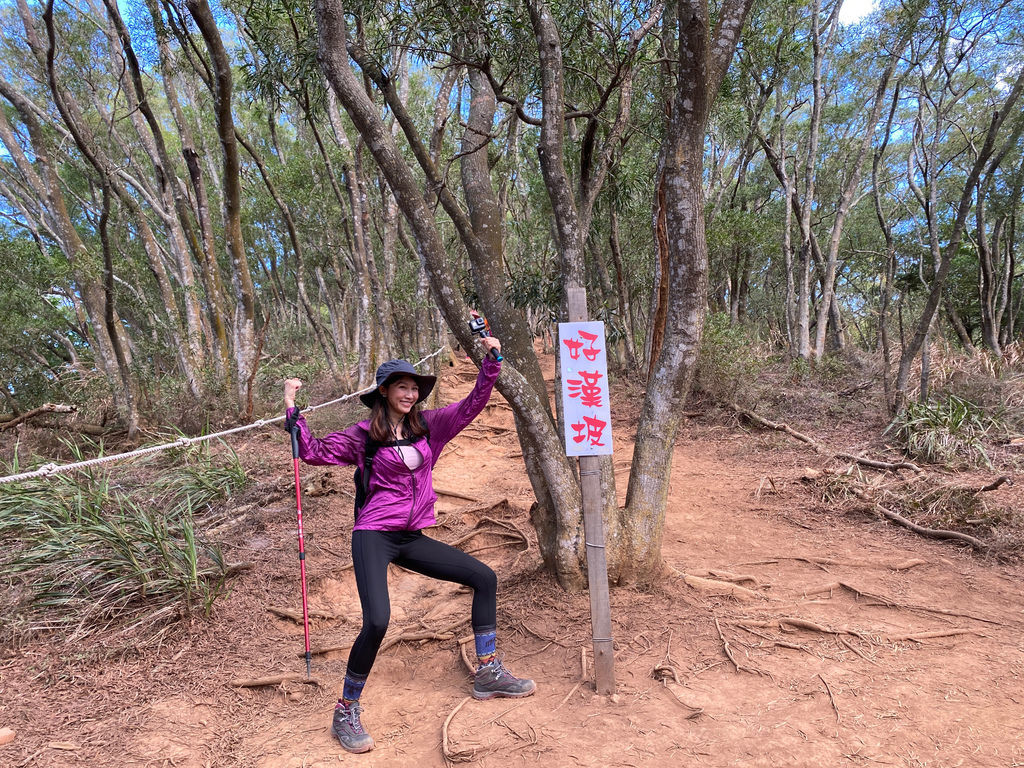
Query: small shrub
pixel 731 360
pixel 946 432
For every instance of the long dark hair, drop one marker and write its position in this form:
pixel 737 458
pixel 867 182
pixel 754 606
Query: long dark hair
pixel 380 428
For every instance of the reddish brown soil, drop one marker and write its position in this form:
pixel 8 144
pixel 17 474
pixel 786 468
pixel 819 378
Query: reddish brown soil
pixel 898 663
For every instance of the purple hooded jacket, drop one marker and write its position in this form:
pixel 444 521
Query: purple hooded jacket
pixel 400 499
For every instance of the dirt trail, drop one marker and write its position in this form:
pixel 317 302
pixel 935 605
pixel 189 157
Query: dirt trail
pixel 857 643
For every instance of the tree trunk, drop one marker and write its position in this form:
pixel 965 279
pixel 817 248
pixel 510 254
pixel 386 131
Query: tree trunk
pixel 244 327
pixel 333 56
pixel 702 63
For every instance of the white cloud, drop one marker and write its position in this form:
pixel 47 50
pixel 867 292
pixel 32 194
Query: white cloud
pixel 855 10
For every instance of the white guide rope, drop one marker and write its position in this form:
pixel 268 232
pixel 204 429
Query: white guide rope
pixel 49 469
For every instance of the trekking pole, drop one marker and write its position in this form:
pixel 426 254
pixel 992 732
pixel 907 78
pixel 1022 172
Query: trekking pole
pixel 478 325
pixel 302 548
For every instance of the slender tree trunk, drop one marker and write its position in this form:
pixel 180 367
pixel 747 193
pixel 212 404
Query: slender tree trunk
pixel 203 247
pixel 622 289
pixel 300 267
pixel 956 232
pixel 244 327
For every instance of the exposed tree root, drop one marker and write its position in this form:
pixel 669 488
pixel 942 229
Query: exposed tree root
pixel 904 565
pixel 818 447
pixel 296 616
pixel 831 697
pixel 734 578
pixel 455 494
pixel 932 533
pixel 938 633
pixel 666 673
pixel 793 624
pixel 888 602
pixel 732 657
pixel 717 587
pixel 463 642
pixel 261 682
pixel 410 634
pixel 452 755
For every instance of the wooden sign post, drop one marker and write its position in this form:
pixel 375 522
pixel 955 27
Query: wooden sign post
pixel 588 435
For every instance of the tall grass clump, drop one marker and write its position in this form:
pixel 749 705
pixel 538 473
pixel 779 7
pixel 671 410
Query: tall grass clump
pixel 948 431
pixel 82 554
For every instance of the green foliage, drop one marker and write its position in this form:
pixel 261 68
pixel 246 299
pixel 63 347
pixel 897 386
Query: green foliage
pixel 83 554
pixel 535 288
pixel 730 360
pixel 946 432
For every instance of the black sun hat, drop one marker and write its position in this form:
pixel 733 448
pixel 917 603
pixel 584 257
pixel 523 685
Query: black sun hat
pixel 396 369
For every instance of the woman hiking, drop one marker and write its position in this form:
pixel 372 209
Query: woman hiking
pixel 398 504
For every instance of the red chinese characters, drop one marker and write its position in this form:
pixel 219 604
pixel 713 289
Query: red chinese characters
pixel 575 346
pixel 587 388
pixel 589 429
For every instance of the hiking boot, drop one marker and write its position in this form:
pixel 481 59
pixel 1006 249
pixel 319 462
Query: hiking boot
pixel 349 730
pixel 493 680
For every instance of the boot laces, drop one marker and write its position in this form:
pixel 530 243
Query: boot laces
pixel 351 716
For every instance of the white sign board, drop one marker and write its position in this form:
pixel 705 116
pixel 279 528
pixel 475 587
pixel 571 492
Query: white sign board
pixel 587 411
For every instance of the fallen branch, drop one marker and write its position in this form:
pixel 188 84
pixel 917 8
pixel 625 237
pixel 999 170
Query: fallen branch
pixel 818 447
pixel 261 682
pixel 46 408
pixel 932 533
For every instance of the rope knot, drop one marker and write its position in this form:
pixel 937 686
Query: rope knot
pixel 259 423
pixel 48 469
pixel 183 441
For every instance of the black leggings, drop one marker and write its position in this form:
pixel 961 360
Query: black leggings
pixel 371 553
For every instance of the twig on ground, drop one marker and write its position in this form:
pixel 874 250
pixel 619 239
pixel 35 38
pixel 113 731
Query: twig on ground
pixel 568 695
pixel 831 697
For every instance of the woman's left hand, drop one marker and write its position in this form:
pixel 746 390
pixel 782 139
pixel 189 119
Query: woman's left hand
pixel 491 342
